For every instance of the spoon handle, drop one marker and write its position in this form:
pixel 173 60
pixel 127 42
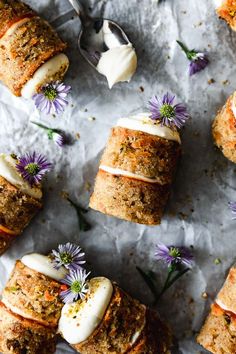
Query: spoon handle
pixel 78 9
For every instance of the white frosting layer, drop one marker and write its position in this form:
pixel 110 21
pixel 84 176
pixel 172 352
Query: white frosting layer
pixel 42 264
pixel 119 172
pixel 218 3
pixel 143 123
pixel 223 306
pixel 110 39
pixel 15 309
pixel 56 66
pixel 118 64
pixel 9 172
pixel 14 27
pixel 79 319
pixel 233 105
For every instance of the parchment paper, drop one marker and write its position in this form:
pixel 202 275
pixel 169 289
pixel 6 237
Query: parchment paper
pixel 197 214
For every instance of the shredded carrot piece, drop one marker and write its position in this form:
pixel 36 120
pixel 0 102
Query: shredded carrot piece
pixel 48 296
pixel 64 287
pixel 7 231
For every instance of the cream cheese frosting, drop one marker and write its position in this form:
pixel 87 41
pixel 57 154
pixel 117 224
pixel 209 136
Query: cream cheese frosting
pixel 120 172
pixel 223 306
pixel 9 172
pixel 143 122
pixel 54 69
pixel 42 264
pixel 218 3
pixel 79 319
pixel 233 104
pixel 118 64
pixel 11 30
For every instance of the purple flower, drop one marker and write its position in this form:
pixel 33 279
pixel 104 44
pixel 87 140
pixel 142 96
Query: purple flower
pixel 198 61
pixel 69 255
pixel 77 284
pixel 53 134
pixel 172 255
pixel 165 111
pixel 52 98
pixel 232 206
pixel 32 167
pixel 58 138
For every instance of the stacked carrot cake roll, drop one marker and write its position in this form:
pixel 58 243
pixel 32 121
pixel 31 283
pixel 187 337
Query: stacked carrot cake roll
pixel 31 307
pixel 224 129
pixel 20 194
pixel 226 9
pixel 136 170
pixel 218 335
pixel 31 52
pixel 107 320
pixel 46 295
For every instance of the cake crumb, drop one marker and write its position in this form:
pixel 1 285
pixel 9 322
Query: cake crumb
pixel 204 295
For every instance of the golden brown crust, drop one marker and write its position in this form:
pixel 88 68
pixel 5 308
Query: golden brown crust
pixel 12 11
pixel 16 208
pixel 21 336
pixel 5 242
pixel 218 335
pixel 35 295
pixel 123 323
pixel 227 11
pixel 227 294
pixel 142 154
pixel 224 131
pixel 156 337
pixel 129 199
pixel 23 52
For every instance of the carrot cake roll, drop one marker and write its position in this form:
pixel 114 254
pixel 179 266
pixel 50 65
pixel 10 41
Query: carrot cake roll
pixel 19 335
pixel 218 335
pixel 139 163
pixel 226 9
pixel 31 52
pixel 107 320
pixel 20 198
pixel 224 129
pixel 33 290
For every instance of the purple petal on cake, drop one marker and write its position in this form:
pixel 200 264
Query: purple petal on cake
pixel 174 255
pixel 198 63
pixel 167 113
pixel 232 206
pixel 32 167
pixel 52 98
pixel 68 255
pixel 77 284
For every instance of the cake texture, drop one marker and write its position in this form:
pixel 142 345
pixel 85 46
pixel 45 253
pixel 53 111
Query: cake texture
pixel 21 336
pixel 33 295
pixel 136 171
pixel 224 131
pixel 218 335
pixel 16 211
pixel 25 50
pixel 11 12
pixel 227 11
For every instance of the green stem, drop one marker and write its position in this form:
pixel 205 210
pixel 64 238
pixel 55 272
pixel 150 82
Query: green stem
pixel 189 53
pixel 148 280
pixel 83 224
pixel 41 125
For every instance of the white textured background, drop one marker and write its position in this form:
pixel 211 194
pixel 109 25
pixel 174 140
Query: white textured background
pixel 197 214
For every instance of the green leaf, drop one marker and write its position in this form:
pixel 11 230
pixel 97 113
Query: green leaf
pixel 83 224
pixel 148 278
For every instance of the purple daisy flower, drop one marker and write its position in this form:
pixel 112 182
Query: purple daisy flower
pixel 198 61
pixel 165 111
pixel 32 167
pixel 232 206
pixel 172 255
pixel 69 255
pixel 58 138
pixel 77 284
pixel 52 98
pixel 53 134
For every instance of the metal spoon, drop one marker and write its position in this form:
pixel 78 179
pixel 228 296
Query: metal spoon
pixel 97 35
